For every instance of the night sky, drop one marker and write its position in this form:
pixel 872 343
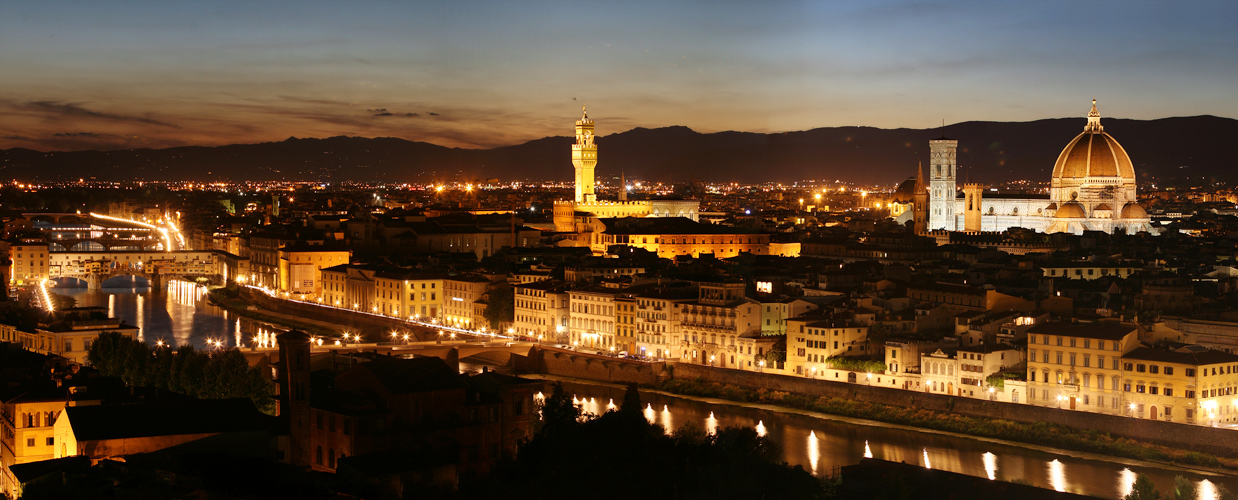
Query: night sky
pixel 120 74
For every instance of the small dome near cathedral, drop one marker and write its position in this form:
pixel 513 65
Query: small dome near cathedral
pixel 1134 211
pixel 1071 210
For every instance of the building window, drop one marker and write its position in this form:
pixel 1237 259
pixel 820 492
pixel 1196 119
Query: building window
pixel 51 441
pixel 318 455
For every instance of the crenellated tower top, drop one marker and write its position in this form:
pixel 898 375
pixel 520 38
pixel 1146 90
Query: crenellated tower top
pixel 584 158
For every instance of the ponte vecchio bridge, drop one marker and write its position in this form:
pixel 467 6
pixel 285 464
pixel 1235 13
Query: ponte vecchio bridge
pixel 155 266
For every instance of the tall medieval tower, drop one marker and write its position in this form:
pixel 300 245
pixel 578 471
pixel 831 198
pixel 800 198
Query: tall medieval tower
pixel 942 184
pixel 584 158
pixel 919 203
pixel 294 394
pixel 973 197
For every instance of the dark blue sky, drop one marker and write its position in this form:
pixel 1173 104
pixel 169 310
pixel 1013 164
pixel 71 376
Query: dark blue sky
pixel 132 74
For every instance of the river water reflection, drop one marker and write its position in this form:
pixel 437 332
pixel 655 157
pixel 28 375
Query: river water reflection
pixel 179 314
pixel 821 446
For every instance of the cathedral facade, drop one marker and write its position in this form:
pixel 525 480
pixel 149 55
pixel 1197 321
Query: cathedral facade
pixel 1092 189
pixel 574 215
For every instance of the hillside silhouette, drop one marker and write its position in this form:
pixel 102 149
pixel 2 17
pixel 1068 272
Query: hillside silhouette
pixel 988 152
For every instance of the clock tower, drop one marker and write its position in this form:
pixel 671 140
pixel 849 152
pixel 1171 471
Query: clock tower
pixel 584 158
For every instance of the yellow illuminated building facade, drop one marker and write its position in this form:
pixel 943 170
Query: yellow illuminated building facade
pixel 1191 385
pixel 1078 366
pixel 460 296
pixel 26 434
pixel 300 267
pixel 30 263
pixel 389 292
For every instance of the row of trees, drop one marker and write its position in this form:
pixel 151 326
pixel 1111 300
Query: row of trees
pixel 621 455
pixel 218 375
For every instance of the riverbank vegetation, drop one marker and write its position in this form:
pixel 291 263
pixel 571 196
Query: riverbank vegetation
pixel 620 454
pixel 221 374
pixel 1041 433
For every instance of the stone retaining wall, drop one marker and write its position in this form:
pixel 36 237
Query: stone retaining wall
pixel 1221 442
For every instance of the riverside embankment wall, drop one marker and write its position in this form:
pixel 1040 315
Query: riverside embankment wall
pixel 1217 441
pixel 357 321
pixel 573 364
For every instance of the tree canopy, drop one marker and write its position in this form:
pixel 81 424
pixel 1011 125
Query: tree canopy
pixel 218 375
pixel 621 455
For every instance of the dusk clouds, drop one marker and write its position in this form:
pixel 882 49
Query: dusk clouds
pixel 482 74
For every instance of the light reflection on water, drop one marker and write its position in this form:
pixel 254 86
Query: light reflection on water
pixel 1126 482
pixel 177 315
pixel 1057 475
pixel 814 451
pixel 840 444
pixel 990 465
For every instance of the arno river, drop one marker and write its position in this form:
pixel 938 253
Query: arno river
pixel 178 315
pixel 819 444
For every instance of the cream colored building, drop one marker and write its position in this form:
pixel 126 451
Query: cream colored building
pixel 72 342
pixel 625 324
pixel 711 326
pixel 811 339
pixel 460 295
pixel 1077 366
pixel 591 321
pixel 542 311
pixel 387 291
pixel 1191 385
pixel 657 322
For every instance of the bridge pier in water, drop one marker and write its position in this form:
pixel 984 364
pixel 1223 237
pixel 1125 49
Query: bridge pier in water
pixel 94 282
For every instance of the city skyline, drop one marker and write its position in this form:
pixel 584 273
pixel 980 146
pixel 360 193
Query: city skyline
pixel 83 76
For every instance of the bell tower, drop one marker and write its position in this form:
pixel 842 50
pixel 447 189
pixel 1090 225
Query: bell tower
pixel 584 158
pixel 973 198
pixel 942 185
pixel 919 203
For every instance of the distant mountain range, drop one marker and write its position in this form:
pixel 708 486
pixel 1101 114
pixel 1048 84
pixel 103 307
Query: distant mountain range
pixel 988 152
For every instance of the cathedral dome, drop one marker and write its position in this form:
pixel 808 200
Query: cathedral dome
pixel 1071 210
pixel 1134 211
pixel 906 191
pixel 1093 153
